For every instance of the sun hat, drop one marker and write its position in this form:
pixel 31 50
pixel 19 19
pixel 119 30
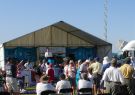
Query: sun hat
pixel 106 60
pixel 87 60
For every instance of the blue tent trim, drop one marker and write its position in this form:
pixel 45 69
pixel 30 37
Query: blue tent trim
pixel 82 52
pixel 21 53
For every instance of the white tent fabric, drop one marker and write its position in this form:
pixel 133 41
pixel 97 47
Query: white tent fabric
pixel 130 46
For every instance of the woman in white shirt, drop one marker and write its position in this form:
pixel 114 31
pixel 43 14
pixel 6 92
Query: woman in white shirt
pixel 43 85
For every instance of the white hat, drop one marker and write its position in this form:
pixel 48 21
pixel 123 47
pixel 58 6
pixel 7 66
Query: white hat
pixel 106 60
pixel 87 60
pixel 79 60
pixel 71 61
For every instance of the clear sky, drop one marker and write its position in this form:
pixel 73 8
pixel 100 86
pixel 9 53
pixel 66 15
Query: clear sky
pixel 19 17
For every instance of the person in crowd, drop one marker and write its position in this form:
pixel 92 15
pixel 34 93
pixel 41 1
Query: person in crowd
pixel 20 79
pixel 133 65
pixel 3 86
pixel 47 65
pixel 38 71
pixel 48 53
pixel 127 71
pixel 91 60
pixel 113 78
pixel 84 82
pixel 84 66
pixel 132 62
pixel 90 70
pixel 11 80
pixel 63 83
pixel 43 66
pixel 50 73
pixel 49 56
pixel 119 62
pixel 20 65
pixel 78 71
pixel 106 63
pixel 96 71
pixel 79 62
pixel 66 64
pixel 28 65
pixel 43 85
pixel 51 60
pixel 72 73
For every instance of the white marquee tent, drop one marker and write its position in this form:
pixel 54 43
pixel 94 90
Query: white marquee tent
pixel 59 34
pixel 130 46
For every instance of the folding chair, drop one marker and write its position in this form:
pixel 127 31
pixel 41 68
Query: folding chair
pixel 104 94
pixel 66 90
pixel 47 92
pixel 4 93
pixel 82 91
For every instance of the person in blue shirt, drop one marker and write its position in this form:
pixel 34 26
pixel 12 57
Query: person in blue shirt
pixel 78 71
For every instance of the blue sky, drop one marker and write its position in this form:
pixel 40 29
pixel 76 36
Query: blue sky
pixel 19 17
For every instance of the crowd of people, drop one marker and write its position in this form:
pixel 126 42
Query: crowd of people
pixel 102 76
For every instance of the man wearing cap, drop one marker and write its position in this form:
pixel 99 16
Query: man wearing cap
pixel 127 71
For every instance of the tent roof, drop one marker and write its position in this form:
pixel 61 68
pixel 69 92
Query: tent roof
pixel 80 33
pixel 129 46
pixel 61 25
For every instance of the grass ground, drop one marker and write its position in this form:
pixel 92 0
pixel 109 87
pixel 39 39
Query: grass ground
pixel 29 89
pixel 28 94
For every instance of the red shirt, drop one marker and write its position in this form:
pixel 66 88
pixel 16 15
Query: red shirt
pixel 50 73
